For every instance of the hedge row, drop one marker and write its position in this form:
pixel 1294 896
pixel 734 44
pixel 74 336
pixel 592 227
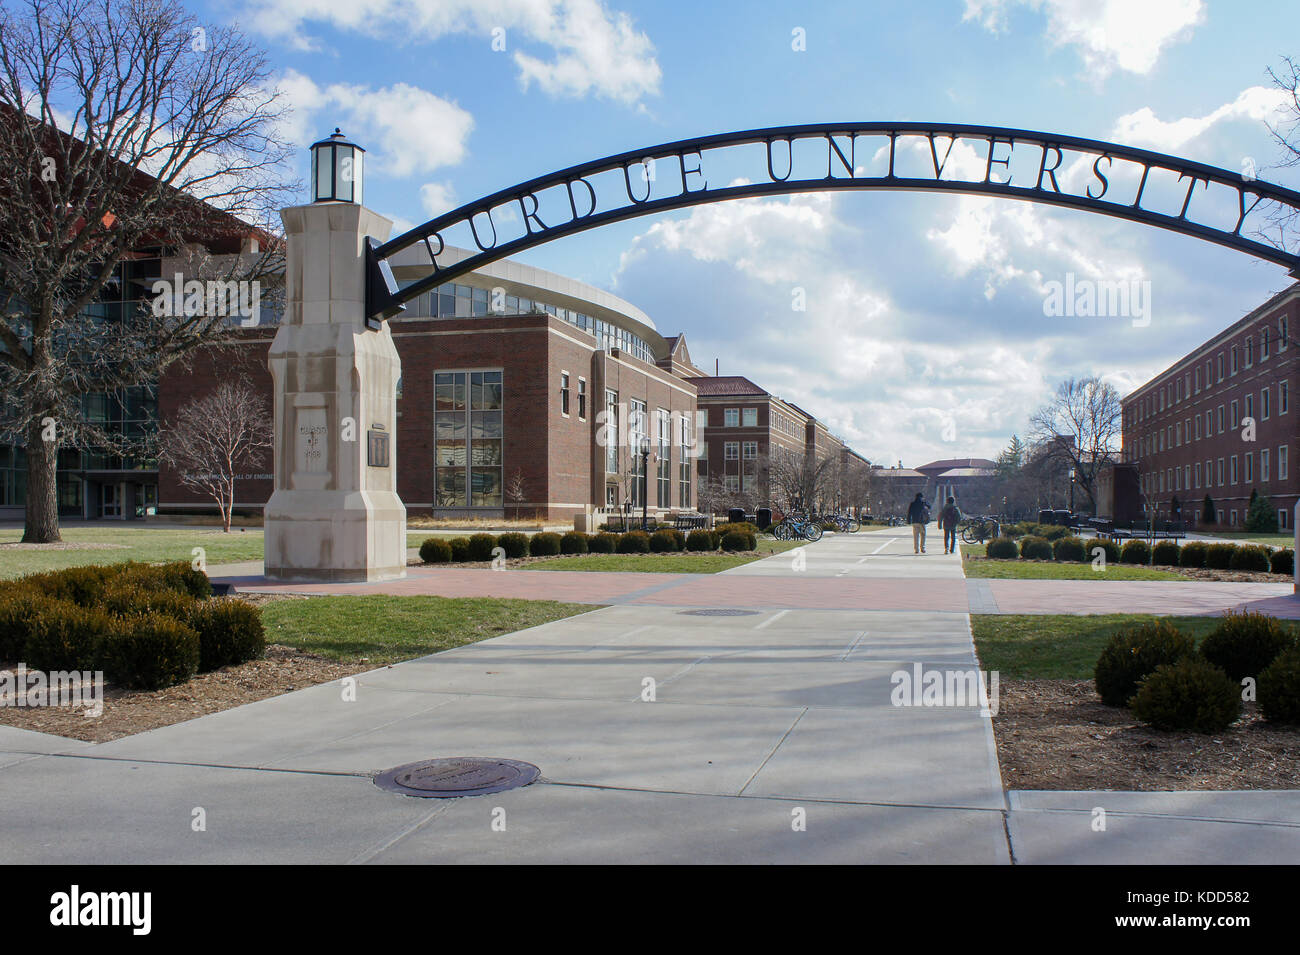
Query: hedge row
pixel 483 547
pixel 1157 670
pixel 1164 553
pixel 145 626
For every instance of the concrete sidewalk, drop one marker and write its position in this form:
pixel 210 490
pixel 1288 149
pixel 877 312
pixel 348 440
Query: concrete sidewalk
pixel 758 719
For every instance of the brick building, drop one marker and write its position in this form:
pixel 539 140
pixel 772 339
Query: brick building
pixel 746 426
pixel 1218 422
pixel 512 380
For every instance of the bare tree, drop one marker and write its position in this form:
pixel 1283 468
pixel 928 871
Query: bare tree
pixel 801 481
pixel 124 125
pixel 216 438
pixel 1079 429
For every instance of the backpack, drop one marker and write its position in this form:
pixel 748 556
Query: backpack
pixel 925 513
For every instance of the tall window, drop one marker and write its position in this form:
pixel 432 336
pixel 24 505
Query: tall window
pixel 582 399
pixel 611 432
pixel 731 418
pixel 664 472
pixel 1220 366
pixel 1282 462
pixel 731 450
pixel 1234 420
pixel 749 417
pixel 1263 464
pixel 684 467
pixel 1250 350
pixel 1232 469
pixel 1250 466
pixel 468 438
pixel 564 393
pixel 636 436
pixel 1283 389
pixel 1264 403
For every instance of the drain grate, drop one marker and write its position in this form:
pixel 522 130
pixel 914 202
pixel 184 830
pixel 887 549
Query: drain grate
pixel 457 776
pixel 719 612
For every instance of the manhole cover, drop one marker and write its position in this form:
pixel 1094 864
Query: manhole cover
pixel 457 776
pixel 720 612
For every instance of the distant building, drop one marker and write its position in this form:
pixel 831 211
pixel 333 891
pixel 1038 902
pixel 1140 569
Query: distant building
pixel 1218 421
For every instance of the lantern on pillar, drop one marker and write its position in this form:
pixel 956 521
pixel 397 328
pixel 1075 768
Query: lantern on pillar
pixel 336 170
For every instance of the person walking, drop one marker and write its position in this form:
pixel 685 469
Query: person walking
pixel 918 515
pixel 949 518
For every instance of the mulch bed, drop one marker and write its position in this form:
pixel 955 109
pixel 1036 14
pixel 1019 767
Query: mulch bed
pixel 1057 734
pixel 1192 573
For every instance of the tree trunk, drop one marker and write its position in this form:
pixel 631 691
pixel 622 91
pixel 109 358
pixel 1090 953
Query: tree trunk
pixel 42 508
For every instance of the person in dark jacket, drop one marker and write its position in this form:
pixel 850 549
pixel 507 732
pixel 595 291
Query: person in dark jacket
pixel 949 518
pixel 918 515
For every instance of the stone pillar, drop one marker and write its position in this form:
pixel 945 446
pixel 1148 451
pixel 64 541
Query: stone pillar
pixel 334 514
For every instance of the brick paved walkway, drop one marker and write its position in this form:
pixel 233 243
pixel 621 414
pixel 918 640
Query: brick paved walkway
pixel 887 577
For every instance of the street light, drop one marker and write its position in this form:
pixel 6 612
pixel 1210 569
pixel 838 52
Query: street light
pixel 336 169
pixel 1071 491
pixel 645 482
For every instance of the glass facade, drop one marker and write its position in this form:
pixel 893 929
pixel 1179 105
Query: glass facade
pixel 466 301
pixel 468 435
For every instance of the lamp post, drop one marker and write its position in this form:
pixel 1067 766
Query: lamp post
pixel 1071 491
pixel 645 482
pixel 336 170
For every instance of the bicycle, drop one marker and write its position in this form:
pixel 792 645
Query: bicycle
pixel 793 528
pixel 977 530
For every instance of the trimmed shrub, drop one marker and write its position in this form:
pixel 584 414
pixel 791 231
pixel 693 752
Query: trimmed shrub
pixel 80 585
pixel 1003 548
pixel 1035 548
pixel 149 652
pixel 1279 688
pixel 1219 556
pixel 1054 532
pixel 1191 694
pixel 1135 552
pixel 66 637
pixel 1243 644
pixel 735 540
pixel 661 542
pixel 1192 554
pixel 514 544
pixel 20 610
pixel 1107 545
pixel 480 546
pixel 1132 653
pixel 545 544
pixel 745 527
pixel 435 550
pixel 1068 548
pixel 1250 557
pixel 634 542
pixel 230 632
pixel 1165 553
pixel 459 549
pixel 127 598
pixel 177 577
pixel 602 543
pixel 574 542
pixel 700 540
pixel 679 539
pixel 1282 561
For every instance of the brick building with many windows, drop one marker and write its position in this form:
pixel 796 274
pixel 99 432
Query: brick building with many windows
pixel 1219 422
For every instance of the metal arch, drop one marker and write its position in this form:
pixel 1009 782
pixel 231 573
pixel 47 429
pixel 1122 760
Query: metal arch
pixel 384 300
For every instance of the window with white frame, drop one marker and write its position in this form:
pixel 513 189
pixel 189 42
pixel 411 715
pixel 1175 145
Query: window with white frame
pixel 749 417
pixel 1282 462
pixel 731 450
pixel 731 418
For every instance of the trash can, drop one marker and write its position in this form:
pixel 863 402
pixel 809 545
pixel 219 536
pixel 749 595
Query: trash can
pixel 1046 517
pixel 764 518
pixel 1062 518
pixel 736 515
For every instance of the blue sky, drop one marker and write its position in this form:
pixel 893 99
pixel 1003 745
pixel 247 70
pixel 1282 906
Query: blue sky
pixel 924 335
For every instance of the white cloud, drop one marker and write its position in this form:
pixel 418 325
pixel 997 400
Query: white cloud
pixel 1142 128
pixel 592 50
pixel 406 129
pixel 437 198
pixel 1127 35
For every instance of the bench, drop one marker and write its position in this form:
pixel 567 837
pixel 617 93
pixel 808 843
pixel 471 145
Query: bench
pixel 690 522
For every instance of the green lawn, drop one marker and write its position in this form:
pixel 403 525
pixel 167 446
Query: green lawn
pixel 110 544
pixel 1035 570
pixel 1057 647
pixel 684 562
pixel 387 629
pixel 1245 537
